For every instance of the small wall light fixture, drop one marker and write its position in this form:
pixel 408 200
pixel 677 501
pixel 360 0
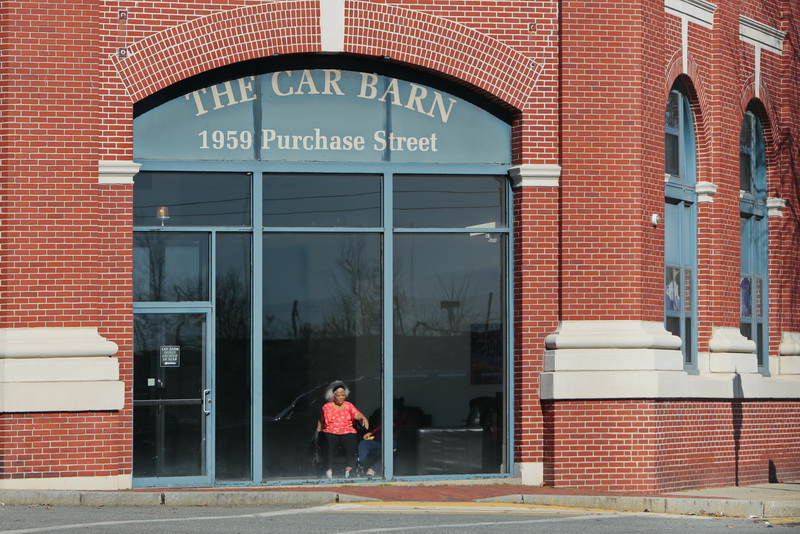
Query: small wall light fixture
pixel 655 219
pixel 162 213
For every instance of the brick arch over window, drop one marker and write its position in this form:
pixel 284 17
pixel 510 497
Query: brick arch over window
pixel 693 82
pixel 291 27
pixel 769 123
pixel 769 118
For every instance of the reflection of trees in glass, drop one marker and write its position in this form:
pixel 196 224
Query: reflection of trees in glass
pixel 300 329
pixel 155 272
pixel 153 249
pixel 447 313
pixel 232 371
pixel 347 302
pixel 401 300
pixel 356 288
pixel 292 326
pixel 152 331
pixel 233 306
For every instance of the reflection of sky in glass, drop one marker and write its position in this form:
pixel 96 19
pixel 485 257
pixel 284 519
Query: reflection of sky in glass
pixel 322 200
pixel 193 199
pixel 311 279
pixel 448 201
pixel 445 283
pixel 170 266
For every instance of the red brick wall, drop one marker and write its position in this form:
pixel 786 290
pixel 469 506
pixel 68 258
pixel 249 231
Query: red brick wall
pixel 50 200
pixel 80 444
pixel 590 97
pixel 65 249
pixel 619 61
pixel 535 308
pixel 607 270
pixel 660 446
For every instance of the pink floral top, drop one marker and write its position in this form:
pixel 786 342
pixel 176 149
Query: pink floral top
pixel 337 420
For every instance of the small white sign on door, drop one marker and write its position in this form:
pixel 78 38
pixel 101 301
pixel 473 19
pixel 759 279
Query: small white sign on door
pixel 170 356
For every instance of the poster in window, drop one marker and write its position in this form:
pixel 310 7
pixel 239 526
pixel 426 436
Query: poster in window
pixel 486 364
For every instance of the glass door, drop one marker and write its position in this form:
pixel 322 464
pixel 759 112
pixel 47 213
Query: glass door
pixel 172 398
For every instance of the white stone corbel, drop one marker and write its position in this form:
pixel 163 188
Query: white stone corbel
pixel 641 359
pixel 698 11
pixel 775 207
pixel 117 172
pixel 705 192
pixel 760 35
pixel 612 359
pixel 535 175
pixel 763 38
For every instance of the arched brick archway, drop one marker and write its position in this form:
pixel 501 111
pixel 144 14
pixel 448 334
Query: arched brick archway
pixel 412 38
pixel 291 27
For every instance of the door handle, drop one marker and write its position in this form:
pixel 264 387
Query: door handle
pixel 206 402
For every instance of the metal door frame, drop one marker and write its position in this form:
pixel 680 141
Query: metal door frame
pixel 207 395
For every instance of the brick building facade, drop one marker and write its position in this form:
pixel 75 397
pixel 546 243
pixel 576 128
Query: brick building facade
pixel 635 326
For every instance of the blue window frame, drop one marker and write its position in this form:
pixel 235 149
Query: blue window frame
pixel 395 281
pixel 680 213
pixel 753 243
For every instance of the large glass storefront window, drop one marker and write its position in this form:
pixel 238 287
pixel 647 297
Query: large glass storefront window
pixel 321 317
pixel 279 248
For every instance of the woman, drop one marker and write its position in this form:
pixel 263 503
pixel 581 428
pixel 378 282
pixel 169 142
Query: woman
pixel 336 420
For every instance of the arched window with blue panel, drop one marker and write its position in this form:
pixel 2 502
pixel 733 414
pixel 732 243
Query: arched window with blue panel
pixel 753 223
pixel 680 215
pixel 310 219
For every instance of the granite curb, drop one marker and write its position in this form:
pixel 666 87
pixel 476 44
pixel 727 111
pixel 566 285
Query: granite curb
pixel 175 498
pixel 662 505
pixel 654 504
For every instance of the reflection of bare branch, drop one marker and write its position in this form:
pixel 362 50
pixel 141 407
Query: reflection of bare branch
pixel 449 312
pixel 154 246
pixel 160 283
pixel 357 295
pixel 454 298
pixel 400 304
pixel 295 318
pixel 233 307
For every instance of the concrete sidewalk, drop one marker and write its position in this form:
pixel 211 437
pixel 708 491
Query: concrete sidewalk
pixel 764 500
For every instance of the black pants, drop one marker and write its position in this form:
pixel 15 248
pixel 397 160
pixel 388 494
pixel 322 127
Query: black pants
pixel 349 443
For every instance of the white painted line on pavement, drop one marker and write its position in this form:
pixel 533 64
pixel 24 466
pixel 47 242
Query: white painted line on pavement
pixel 165 520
